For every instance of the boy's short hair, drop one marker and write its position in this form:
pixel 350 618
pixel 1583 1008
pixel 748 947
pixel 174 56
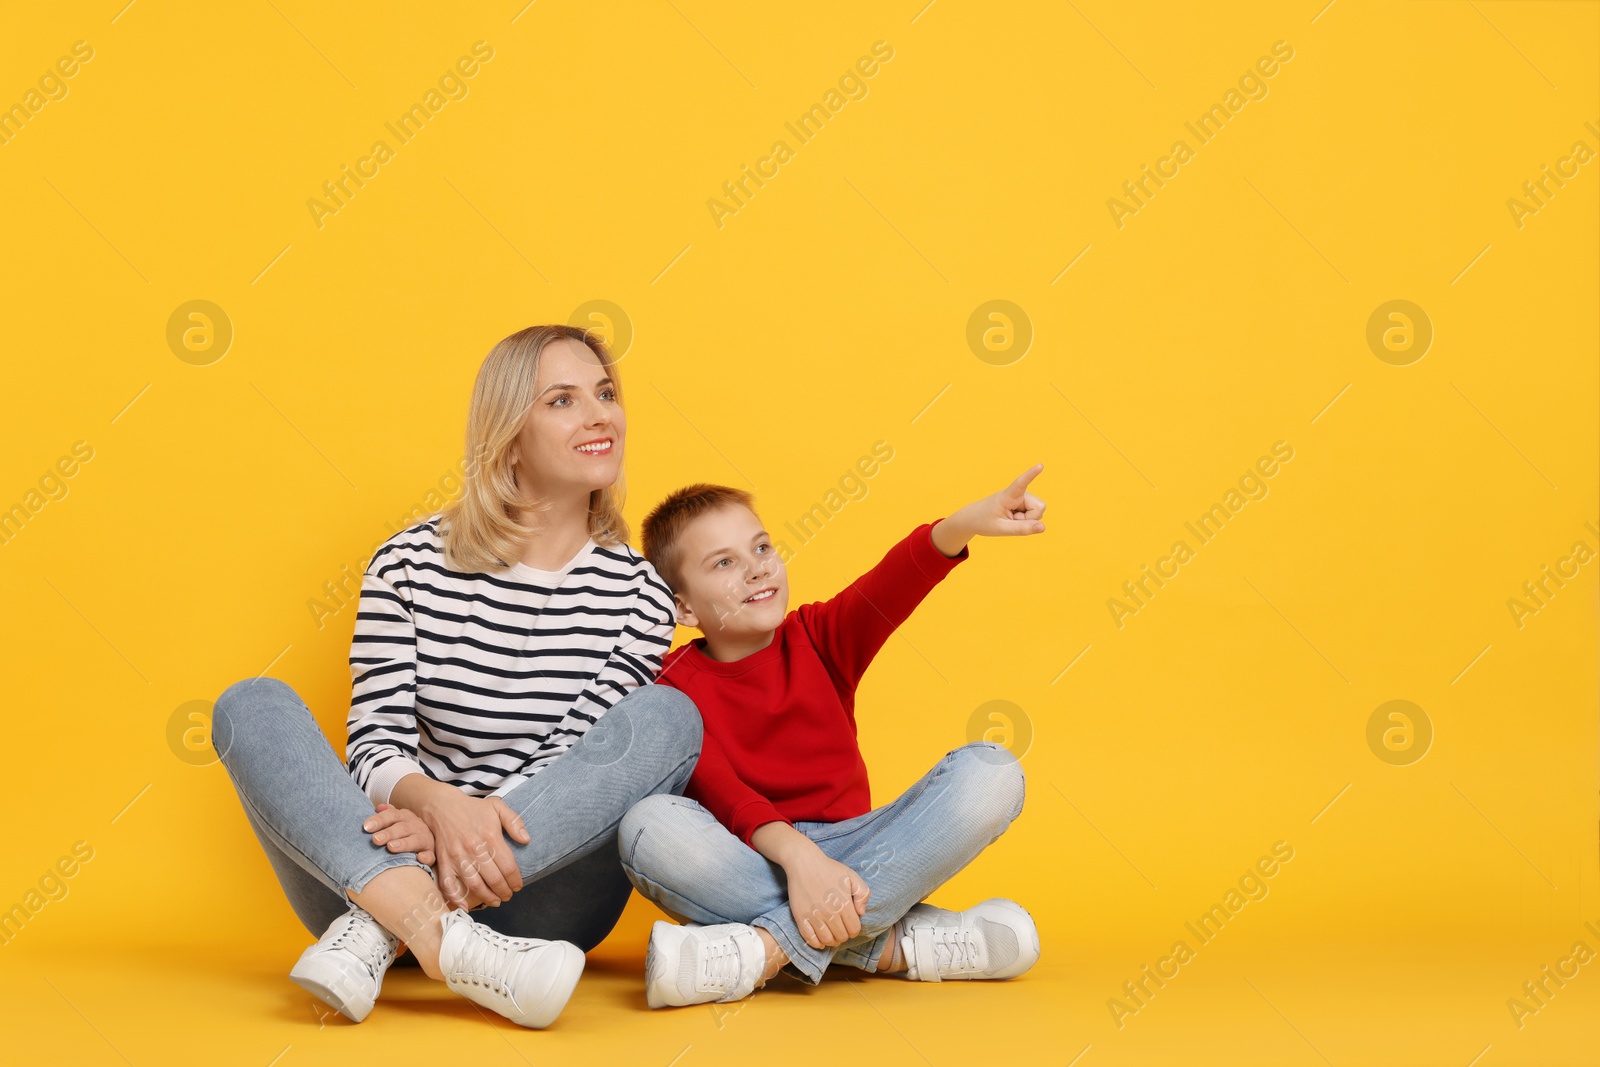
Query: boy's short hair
pixel 664 526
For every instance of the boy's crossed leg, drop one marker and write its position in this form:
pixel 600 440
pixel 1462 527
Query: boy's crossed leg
pixel 678 856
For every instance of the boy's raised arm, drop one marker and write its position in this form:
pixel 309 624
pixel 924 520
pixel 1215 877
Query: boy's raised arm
pixel 849 629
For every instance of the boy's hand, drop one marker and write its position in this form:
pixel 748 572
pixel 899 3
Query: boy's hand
pixel 401 830
pixel 826 898
pixel 1012 512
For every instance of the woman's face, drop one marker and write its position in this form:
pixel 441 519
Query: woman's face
pixel 572 437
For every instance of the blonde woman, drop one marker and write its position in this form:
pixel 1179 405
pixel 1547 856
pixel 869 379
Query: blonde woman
pixel 502 720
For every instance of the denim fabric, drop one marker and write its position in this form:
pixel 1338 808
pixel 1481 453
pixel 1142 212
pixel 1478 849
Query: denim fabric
pixel 307 810
pixel 681 858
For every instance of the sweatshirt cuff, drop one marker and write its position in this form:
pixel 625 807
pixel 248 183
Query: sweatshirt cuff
pixel 382 780
pixel 926 555
pixel 751 815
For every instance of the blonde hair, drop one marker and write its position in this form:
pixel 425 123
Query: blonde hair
pixel 480 529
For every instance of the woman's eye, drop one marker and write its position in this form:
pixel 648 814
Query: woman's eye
pixel 560 398
pixel 609 394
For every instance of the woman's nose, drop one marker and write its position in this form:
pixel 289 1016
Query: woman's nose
pixel 594 411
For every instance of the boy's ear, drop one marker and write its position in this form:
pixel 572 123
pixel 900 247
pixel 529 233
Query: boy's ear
pixel 686 615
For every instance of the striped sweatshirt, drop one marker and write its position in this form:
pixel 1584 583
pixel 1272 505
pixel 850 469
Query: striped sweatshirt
pixel 482 679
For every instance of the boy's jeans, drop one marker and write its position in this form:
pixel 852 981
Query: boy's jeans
pixel 686 862
pixel 307 810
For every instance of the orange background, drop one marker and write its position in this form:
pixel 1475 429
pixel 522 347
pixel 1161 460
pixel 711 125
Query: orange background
pixel 835 309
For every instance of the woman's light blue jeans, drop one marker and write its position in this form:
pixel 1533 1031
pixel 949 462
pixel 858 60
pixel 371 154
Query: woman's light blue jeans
pixel 307 810
pixel 688 864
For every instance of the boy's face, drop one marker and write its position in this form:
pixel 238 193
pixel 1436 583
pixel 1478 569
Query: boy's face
pixel 728 559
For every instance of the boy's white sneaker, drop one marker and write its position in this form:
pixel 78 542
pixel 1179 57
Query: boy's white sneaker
pixel 698 964
pixel 526 979
pixel 345 968
pixel 995 939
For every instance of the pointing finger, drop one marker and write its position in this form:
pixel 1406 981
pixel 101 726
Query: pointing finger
pixel 1022 480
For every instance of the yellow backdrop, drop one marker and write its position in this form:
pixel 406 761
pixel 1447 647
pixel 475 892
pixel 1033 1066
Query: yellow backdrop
pixel 1296 303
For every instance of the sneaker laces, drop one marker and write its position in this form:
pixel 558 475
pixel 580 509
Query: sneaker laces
pixel 488 958
pixel 719 964
pixel 955 948
pixel 366 940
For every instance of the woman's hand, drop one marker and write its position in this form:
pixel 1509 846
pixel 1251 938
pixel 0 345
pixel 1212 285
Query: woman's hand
pixel 474 864
pixel 401 830
pixel 826 898
pixel 1012 512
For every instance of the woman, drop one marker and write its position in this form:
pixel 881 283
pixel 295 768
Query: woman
pixel 502 664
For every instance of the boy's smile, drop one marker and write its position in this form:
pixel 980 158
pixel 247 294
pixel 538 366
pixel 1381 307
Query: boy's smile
pixel 735 590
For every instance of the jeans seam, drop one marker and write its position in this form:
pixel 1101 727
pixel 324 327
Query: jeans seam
pixel 397 859
pixel 863 953
pixel 304 861
pixel 652 889
pixel 789 948
pixel 875 815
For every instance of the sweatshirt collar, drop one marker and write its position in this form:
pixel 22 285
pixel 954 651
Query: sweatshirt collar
pixel 696 651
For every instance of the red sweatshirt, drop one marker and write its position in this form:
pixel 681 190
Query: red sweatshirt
pixel 780 724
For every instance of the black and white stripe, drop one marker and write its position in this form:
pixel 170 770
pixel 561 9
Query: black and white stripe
pixel 482 679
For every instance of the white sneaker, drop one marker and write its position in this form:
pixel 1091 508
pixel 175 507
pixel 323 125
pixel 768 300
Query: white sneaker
pixel 698 964
pixel 526 979
pixel 995 939
pixel 345 968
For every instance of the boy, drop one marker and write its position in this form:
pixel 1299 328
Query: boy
pixel 774 852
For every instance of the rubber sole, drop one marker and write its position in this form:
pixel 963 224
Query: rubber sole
pixel 653 962
pixel 572 970
pixel 560 991
pixel 317 986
